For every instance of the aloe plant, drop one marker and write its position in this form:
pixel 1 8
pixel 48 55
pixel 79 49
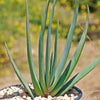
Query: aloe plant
pixel 52 78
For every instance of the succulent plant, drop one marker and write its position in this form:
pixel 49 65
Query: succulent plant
pixel 53 79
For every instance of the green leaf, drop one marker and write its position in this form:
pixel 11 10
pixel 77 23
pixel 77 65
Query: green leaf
pixel 41 51
pixel 51 67
pixel 65 54
pixel 55 56
pixel 78 77
pixel 66 74
pixel 19 74
pixel 48 46
pixel 35 82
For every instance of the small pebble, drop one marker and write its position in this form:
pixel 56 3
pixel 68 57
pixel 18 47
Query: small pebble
pixel 28 98
pixel 24 97
pixel 66 96
pixel 17 99
pixel 20 91
pixel 49 97
pixel 72 96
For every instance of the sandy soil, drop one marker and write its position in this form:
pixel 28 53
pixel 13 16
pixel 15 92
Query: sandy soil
pixel 90 85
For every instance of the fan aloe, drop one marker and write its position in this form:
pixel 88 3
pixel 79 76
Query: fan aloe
pixel 52 78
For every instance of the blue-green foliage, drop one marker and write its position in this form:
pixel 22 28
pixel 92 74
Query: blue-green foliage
pixel 53 78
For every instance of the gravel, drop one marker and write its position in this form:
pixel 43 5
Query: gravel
pixel 17 92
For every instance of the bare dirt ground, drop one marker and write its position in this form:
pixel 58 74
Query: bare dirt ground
pixel 90 85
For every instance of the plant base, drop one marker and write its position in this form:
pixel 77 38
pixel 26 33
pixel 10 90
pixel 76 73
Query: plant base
pixel 17 92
